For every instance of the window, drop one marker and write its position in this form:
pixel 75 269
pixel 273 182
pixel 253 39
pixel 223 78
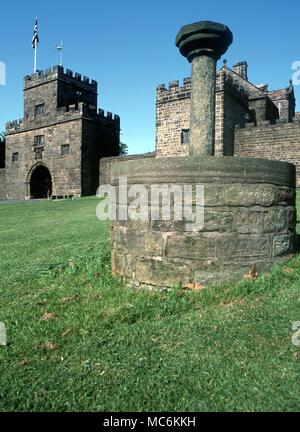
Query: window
pixel 65 149
pixel 39 141
pixel 15 157
pixel 185 136
pixel 39 110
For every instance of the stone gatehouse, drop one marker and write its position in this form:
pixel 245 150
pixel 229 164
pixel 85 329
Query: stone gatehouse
pixel 55 149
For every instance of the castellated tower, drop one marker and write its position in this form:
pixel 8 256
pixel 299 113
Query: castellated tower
pixel 54 150
pixel 238 103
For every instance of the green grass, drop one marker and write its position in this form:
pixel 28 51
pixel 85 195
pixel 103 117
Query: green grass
pixel 223 349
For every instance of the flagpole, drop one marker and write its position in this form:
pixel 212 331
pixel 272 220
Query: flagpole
pixel 61 53
pixel 35 50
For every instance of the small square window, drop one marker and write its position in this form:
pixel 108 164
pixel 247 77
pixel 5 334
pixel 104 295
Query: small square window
pixel 65 149
pixel 15 157
pixel 185 136
pixel 39 141
pixel 39 110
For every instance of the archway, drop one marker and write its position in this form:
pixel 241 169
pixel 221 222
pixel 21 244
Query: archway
pixel 40 183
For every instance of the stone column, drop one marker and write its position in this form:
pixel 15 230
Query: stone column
pixel 202 114
pixel 202 44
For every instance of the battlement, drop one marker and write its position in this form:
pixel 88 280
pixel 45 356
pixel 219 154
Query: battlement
pixel 268 123
pixel 174 91
pixel 14 126
pixel 58 72
pixel 100 114
pixel 70 112
pixel 226 83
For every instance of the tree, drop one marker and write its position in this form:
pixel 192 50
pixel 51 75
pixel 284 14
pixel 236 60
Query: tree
pixel 123 149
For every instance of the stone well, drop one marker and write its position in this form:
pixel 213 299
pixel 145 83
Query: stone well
pixel 249 204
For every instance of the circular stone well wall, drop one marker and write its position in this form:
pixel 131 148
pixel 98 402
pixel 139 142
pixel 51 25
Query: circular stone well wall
pixel 249 218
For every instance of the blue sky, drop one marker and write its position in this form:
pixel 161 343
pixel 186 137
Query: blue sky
pixel 129 48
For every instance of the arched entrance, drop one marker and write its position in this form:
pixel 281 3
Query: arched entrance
pixel 40 183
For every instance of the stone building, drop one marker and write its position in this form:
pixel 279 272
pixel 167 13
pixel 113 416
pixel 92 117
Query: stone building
pixel 55 149
pixel 250 119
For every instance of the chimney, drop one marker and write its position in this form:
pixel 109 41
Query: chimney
pixel 241 69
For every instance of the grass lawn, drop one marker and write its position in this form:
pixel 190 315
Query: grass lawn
pixel 110 348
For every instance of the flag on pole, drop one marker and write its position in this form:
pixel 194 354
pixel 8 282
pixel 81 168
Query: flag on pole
pixel 35 39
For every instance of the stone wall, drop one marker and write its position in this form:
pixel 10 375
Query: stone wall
pixel 231 109
pixel 65 170
pixel 107 163
pixel 172 115
pixel 90 135
pixel 279 141
pixel 99 139
pixel 2 183
pixel 249 219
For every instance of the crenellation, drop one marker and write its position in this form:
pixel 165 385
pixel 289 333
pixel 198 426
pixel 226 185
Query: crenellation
pixel 173 84
pixel 48 71
pixel 57 72
pixel 270 141
pixel 99 114
pixel 174 91
pixel 238 102
pixel 187 81
pixel 14 125
pixel 161 87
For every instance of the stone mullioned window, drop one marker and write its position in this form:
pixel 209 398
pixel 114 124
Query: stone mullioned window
pixel 65 149
pixel 39 110
pixel 15 157
pixel 39 141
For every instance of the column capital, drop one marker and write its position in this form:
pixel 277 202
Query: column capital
pixel 203 38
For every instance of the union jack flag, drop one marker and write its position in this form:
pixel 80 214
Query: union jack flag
pixel 35 39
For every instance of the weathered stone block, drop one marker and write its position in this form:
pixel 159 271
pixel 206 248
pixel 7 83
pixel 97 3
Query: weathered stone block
pixel 231 247
pixel 122 264
pixel 249 221
pixel 218 220
pixel 189 246
pixel 275 220
pixel 283 244
pixel 291 215
pixel 162 273
pixel 240 195
pixel 286 196
pixel 147 243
